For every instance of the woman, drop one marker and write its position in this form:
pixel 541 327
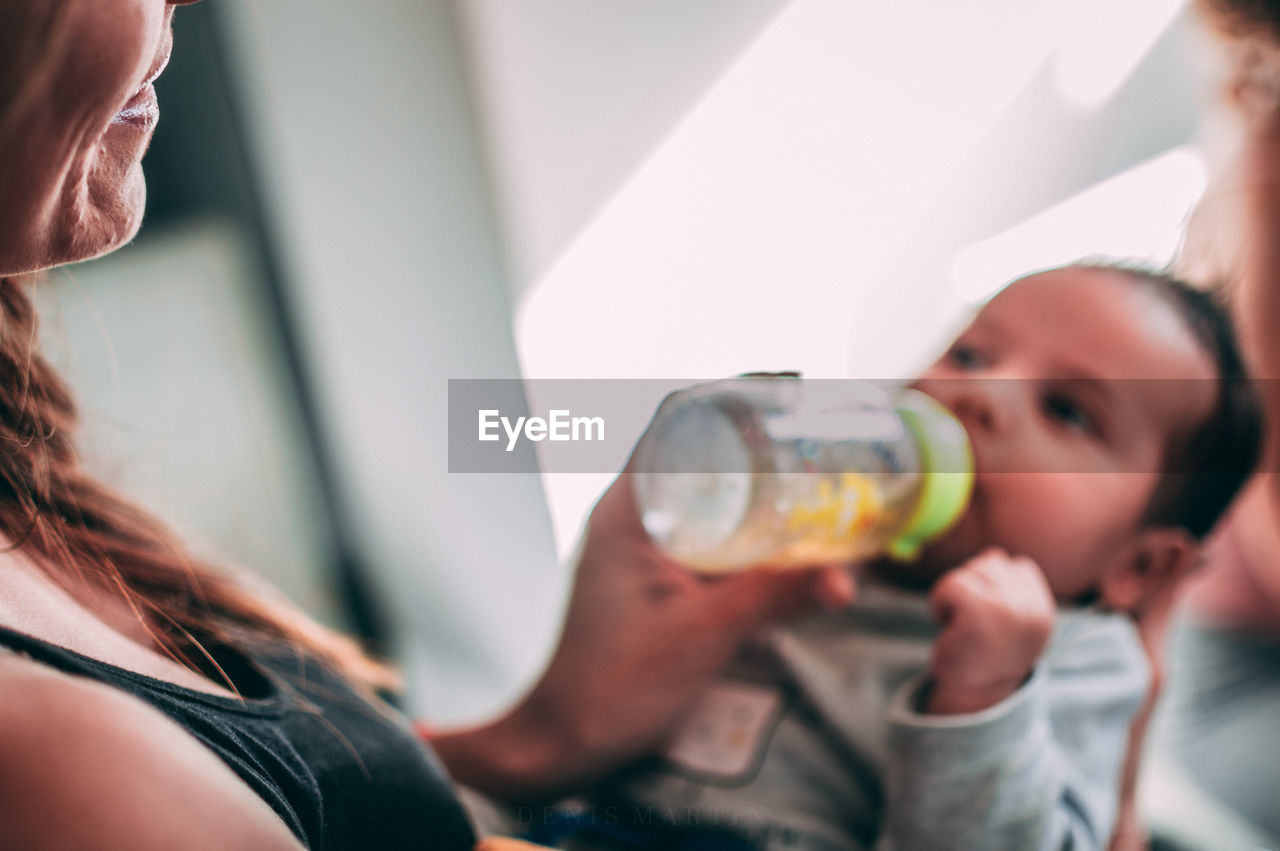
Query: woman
pixel 150 701
pixel 1221 719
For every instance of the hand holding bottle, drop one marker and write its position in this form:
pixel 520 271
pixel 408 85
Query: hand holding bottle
pixel 642 638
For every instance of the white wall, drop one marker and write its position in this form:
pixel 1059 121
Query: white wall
pixel 373 173
pixel 574 95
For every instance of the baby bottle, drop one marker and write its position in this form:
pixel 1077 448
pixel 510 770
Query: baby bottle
pixel 780 471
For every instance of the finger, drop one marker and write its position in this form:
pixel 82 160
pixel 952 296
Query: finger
pixel 990 564
pixel 834 587
pixel 748 601
pixel 957 590
pixel 945 598
pixel 616 512
pixel 1153 623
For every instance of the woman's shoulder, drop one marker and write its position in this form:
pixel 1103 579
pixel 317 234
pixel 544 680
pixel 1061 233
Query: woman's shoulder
pixel 54 707
pixel 84 765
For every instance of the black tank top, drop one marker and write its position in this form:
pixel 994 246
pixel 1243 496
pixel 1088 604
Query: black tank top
pixel 338 771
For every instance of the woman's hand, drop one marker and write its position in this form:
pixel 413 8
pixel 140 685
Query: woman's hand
pixel 642 637
pixel 1153 628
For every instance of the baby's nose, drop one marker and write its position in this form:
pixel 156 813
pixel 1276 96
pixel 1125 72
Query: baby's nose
pixel 981 404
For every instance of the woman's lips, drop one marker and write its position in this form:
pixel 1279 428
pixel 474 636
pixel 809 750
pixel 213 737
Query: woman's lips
pixel 142 110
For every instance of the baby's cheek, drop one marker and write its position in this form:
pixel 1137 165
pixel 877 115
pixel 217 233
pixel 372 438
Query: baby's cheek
pixel 1086 519
pixel 1048 515
pixel 1042 508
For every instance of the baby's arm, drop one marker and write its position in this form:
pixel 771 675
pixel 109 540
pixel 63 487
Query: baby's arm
pixel 994 753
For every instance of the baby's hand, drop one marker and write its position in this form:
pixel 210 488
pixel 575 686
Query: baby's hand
pixel 997 615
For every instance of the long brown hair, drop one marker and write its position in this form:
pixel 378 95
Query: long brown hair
pixel 1245 17
pixel 1249 30
pixel 77 529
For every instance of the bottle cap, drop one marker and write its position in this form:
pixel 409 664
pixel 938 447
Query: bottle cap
pixel 694 479
pixel 946 464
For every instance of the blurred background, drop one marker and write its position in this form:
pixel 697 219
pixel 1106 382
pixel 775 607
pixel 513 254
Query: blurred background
pixel 351 203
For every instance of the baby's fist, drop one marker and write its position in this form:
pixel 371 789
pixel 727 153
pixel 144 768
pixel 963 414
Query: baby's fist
pixel 996 613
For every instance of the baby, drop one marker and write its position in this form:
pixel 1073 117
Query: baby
pixel 981 697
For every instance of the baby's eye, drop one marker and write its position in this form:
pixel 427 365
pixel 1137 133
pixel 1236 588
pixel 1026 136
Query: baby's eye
pixel 965 356
pixel 1070 413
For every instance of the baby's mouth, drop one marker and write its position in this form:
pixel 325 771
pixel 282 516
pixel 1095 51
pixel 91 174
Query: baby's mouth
pixel 965 538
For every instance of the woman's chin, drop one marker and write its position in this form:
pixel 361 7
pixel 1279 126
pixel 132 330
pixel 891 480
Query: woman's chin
pixel 108 218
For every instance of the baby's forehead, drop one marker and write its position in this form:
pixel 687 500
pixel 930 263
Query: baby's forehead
pixel 1112 328
pixel 1115 323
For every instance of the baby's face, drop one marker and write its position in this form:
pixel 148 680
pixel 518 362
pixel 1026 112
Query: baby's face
pixel 1069 445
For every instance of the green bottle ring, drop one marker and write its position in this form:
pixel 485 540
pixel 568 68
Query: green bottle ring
pixel 946 466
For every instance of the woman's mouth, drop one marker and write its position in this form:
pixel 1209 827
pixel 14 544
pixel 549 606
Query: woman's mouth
pixel 142 110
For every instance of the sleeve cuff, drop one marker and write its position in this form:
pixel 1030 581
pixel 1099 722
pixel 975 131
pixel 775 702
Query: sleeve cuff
pixel 994 728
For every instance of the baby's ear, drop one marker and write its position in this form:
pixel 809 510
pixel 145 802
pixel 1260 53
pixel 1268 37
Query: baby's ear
pixel 1157 560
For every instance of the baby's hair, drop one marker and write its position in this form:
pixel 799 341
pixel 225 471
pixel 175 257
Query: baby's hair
pixel 1205 470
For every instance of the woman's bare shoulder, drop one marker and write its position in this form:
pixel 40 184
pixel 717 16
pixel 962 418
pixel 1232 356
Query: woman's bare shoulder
pixel 83 765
